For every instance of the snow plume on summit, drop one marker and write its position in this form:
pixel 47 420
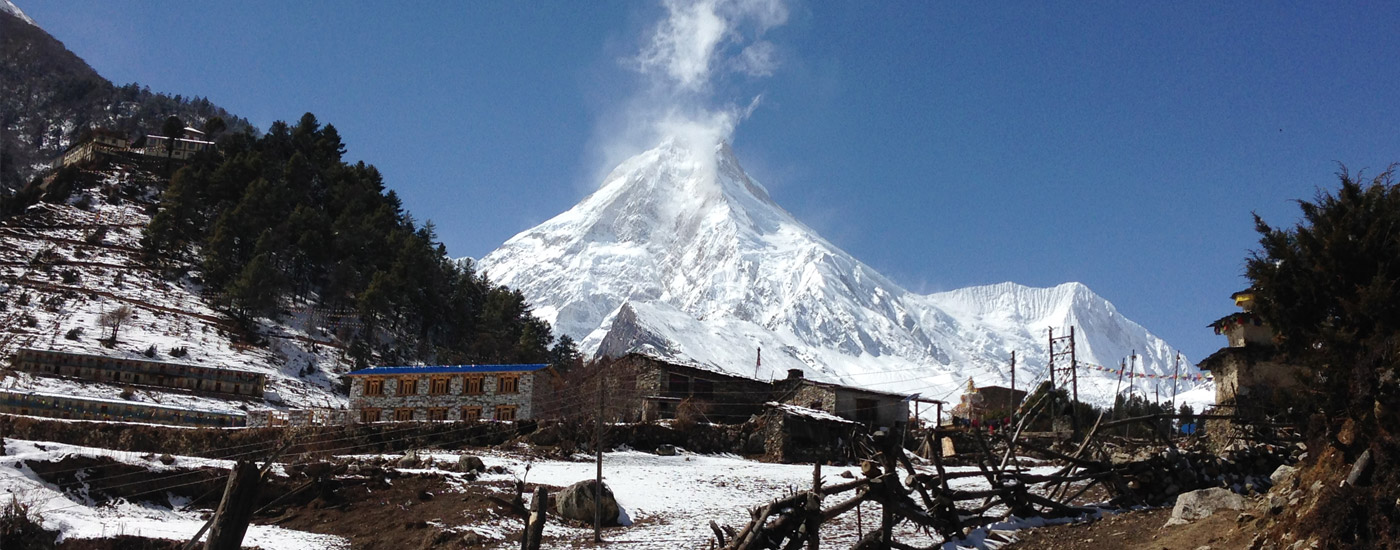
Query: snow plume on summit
pixel 682 255
pixel 697 47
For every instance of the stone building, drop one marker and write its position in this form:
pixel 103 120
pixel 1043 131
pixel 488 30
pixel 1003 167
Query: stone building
pixel 793 433
pixel 142 372
pixel 660 389
pixel 874 409
pixel 655 389
pixel 1247 371
pixel 442 393
pixel 988 402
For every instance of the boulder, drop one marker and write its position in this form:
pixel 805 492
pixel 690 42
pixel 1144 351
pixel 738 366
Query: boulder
pixel 468 463
pixel 666 449
pixel 576 502
pixel 410 460
pixel 1200 504
pixel 1284 476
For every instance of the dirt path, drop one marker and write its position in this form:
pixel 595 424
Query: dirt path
pixel 1142 530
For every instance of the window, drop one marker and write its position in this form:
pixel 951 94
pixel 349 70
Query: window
pixel 471 414
pixel 369 415
pixel 438 386
pixel 403 415
pixel 437 414
pixel 472 385
pixel 508 384
pixel 374 386
pixel 505 412
pixel 704 389
pixel 408 386
pixel 867 411
pixel 677 386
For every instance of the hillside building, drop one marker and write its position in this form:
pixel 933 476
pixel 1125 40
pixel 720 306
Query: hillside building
pixel 451 393
pixel 94 143
pixel 186 146
pixel 102 143
pixel 52 405
pixel 140 372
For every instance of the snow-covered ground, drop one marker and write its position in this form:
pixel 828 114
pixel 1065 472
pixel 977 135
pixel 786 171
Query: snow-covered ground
pixel 672 499
pixel 669 499
pixel 73 515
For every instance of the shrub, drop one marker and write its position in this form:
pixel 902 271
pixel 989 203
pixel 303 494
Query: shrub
pixel 151 351
pixel 180 351
pixel 96 236
pixel 691 412
pixel 21 527
pixel 74 333
pixel 69 276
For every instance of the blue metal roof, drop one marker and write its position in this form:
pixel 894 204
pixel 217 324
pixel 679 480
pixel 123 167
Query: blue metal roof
pixel 449 369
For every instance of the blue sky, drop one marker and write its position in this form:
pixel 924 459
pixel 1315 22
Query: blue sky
pixel 1123 145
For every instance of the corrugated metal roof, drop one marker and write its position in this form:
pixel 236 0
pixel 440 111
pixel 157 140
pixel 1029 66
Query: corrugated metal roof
pixel 449 369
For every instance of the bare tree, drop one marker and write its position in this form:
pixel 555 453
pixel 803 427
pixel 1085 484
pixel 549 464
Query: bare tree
pixel 113 320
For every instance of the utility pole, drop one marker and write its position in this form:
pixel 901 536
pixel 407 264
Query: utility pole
pixel 1132 374
pixel 758 364
pixel 1176 374
pixel 598 480
pixel 1074 384
pixel 1011 406
pixel 1066 345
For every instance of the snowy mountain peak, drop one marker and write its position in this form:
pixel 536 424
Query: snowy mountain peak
pixel 9 7
pixel 681 255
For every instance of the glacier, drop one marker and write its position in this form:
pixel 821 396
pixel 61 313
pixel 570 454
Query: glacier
pixel 681 255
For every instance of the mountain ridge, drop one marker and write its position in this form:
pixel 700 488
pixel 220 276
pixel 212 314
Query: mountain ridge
pixel 680 254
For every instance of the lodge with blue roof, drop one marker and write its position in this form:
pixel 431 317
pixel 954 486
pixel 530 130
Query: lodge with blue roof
pixel 451 392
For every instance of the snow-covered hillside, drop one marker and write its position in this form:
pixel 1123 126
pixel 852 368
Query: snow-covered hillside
pixel 62 266
pixel 682 255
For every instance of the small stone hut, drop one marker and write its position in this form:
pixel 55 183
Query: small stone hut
pixel 1247 371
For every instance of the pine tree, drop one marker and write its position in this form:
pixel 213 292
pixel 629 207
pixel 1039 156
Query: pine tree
pixel 1330 288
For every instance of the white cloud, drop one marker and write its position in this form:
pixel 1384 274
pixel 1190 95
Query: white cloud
pixel 759 59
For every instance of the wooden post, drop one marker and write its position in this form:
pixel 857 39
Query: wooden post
pixel 235 510
pixel 1074 384
pixel 534 526
pixel 1011 404
pixel 860 529
pixel 814 508
pixel 598 480
pixel 886 521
